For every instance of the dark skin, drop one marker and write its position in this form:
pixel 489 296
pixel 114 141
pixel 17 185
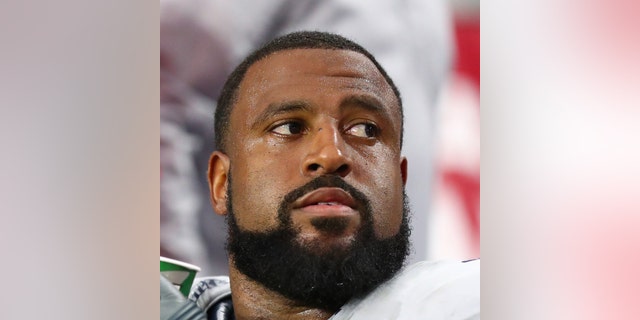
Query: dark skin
pixel 302 113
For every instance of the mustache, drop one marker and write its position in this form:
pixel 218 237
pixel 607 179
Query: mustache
pixel 326 181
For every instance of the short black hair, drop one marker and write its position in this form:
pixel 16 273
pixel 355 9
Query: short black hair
pixel 296 40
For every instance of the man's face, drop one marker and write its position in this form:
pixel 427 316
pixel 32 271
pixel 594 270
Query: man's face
pixel 314 155
pixel 304 113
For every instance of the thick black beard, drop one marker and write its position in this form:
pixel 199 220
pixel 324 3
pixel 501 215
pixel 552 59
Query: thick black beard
pixel 327 278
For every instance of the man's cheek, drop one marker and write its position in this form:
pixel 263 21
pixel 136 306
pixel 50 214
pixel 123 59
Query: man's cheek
pixel 261 200
pixel 387 213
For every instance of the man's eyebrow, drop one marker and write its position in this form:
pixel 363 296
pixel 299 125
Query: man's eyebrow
pixel 365 102
pixel 277 108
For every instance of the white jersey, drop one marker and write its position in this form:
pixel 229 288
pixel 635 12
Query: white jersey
pixel 440 290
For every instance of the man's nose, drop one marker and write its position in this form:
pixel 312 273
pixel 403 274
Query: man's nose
pixel 327 154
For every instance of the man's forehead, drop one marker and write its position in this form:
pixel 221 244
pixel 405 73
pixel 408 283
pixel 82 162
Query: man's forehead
pixel 316 59
pixel 280 66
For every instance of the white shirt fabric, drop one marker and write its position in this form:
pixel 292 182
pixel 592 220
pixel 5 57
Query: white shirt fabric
pixel 441 290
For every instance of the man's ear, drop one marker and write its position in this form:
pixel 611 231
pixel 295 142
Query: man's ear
pixel 218 175
pixel 403 170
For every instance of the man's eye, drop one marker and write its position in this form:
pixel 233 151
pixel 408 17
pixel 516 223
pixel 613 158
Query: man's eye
pixel 364 130
pixel 289 128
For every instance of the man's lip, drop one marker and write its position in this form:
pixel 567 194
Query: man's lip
pixel 326 195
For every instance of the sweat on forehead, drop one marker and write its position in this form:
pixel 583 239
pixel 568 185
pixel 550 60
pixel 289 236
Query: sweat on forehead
pixel 297 40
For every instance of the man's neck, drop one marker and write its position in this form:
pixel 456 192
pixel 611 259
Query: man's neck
pixel 251 300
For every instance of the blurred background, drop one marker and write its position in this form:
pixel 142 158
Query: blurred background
pixel 430 48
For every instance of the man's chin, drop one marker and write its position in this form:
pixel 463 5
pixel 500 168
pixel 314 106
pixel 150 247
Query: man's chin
pixel 327 234
pixel 322 244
